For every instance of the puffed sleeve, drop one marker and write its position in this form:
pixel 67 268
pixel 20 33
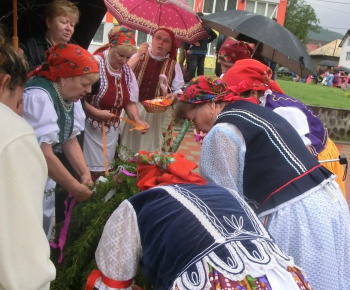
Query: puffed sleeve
pixel 79 119
pixel 178 81
pixel 39 112
pixel 134 88
pixel 297 119
pixel 224 142
pixel 119 250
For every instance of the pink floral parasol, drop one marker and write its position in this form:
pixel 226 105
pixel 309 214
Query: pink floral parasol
pixel 149 15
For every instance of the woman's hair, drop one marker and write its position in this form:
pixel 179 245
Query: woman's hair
pixel 61 7
pixel 12 64
pixel 127 48
pixel 182 107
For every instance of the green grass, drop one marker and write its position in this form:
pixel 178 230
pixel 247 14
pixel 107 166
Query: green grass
pixel 312 94
pixel 316 94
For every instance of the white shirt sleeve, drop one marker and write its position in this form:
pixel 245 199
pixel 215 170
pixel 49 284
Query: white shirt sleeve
pixel 119 250
pixel 224 142
pixel 178 81
pixel 39 112
pixel 134 88
pixel 79 119
pixel 297 119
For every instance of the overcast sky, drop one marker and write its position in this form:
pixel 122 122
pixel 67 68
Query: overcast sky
pixel 333 15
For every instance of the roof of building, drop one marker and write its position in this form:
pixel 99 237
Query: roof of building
pixel 345 36
pixel 329 49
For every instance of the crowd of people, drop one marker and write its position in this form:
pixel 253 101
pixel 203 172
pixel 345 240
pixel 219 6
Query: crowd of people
pixel 262 214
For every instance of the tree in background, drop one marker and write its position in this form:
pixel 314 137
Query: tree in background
pixel 300 19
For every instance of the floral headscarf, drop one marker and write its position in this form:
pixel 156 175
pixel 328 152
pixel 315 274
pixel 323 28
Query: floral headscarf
pixel 161 168
pixel 206 89
pixel 119 35
pixel 66 60
pixel 233 50
pixel 250 74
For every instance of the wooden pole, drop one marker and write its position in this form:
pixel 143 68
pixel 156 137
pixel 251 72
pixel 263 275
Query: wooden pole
pixel 15 35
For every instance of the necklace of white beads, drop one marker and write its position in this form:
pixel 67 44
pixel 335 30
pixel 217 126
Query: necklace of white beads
pixel 67 106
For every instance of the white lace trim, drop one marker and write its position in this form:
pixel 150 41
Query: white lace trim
pixel 119 250
pixel 237 266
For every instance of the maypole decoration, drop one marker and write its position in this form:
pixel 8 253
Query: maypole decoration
pixel 180 136
pixel 87 222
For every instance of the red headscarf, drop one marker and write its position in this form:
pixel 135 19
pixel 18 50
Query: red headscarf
pixel 233 50
pixel 250 74
pixel 173 51
pixel 206 89
pixel 66 60
pixel 161 168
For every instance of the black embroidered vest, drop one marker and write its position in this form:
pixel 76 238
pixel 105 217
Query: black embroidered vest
pixel 278 167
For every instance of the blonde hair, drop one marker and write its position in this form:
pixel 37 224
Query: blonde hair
pixel 126 48
pixel 61 7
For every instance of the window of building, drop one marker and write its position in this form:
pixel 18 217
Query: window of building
pixel 348 55
pixel 268 9
pixel 209 6
pixel 140 37
pixel 212 6
pixel 98 38
pixel 349 40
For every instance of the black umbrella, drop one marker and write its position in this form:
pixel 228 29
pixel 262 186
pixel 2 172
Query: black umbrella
pixel 272 40
pixel 328 62
pixel 341 68
pixel 30 18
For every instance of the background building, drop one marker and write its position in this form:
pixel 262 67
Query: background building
pixel 345 50
pixel 270 8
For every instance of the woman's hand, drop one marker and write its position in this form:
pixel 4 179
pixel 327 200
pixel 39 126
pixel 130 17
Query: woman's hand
pixel 143 49
pixel 172 98
pixel 86 179
pixel 133 114
pixel 144 124
pixel 106 115
pixel 80 191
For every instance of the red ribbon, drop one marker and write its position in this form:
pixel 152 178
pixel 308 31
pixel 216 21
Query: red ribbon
pixel 94 275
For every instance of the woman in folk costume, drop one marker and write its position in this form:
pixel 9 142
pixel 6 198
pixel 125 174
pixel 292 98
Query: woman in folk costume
pixel 158 74
pixel 248 72
pixel 187 234
pixel 51 106
pixel 231 51
pixel 264 159
pixel 116 90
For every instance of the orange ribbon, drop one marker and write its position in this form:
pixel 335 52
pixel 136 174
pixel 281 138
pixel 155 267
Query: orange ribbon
pixel 94 275
pixel 104 147
pixel 137 126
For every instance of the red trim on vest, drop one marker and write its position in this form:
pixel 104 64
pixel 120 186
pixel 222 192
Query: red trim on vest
pixel 289 182
pixel 94 275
